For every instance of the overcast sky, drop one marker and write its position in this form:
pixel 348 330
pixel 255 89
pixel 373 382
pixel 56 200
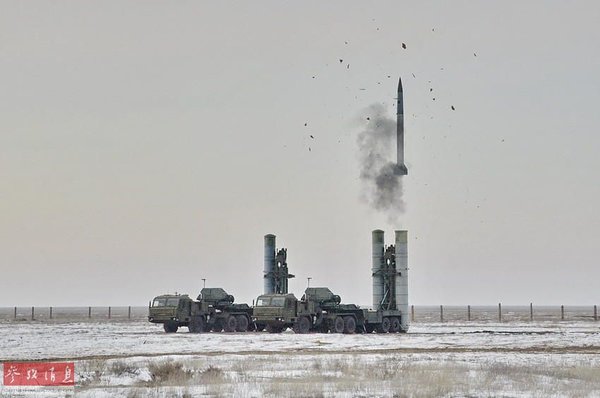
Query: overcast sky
pixel 145 145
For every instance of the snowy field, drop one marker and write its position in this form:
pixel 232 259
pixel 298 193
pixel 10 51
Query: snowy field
pixel 453 359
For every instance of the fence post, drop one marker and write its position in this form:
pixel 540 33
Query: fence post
pixel 32 312
pixel 50 312
pixel 15 312
pixel 499 312
pixel 441 313
pixel 89 312
pixel 595 313
pixel 468 313
pixel 108 312
pixel 129 313
pixel 412 313
pixel 531 311
pixel 562 312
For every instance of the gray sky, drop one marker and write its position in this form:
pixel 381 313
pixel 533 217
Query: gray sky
pixel 145 145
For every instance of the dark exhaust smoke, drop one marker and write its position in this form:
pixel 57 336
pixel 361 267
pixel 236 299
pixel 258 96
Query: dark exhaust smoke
pixel 381 181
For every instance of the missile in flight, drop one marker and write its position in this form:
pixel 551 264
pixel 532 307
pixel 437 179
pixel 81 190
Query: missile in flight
pixel 400 166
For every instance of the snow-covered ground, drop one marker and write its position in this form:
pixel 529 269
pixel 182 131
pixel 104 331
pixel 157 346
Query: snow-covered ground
pixel 434 359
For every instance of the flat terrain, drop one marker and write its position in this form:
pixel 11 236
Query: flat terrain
pixel 137 359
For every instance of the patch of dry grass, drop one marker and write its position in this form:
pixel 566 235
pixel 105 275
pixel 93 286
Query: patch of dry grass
pixel 169 373
pixel 355 375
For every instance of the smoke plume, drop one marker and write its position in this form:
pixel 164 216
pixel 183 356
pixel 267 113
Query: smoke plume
pixel 382 186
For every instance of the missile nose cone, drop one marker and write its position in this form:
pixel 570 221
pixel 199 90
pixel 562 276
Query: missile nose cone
pixel 400 85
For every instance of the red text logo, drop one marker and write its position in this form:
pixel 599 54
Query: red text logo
pixel 39 374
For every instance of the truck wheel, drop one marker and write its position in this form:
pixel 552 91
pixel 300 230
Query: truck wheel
pixel 170 327
pixel 196 325
pixel 338 325
pixel 395 325
pixel 242 323
pixel 384 327
pixel 230 324
pixel 302 325
pixel 349 325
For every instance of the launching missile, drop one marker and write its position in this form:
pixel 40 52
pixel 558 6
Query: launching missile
pixel 400 166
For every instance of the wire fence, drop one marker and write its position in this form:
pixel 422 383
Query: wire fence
pixel 501 313
pixel 109 313
pixel 418 314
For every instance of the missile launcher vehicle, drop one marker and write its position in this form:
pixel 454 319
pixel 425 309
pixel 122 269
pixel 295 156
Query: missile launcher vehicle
pixel 319 310
pixel 213 310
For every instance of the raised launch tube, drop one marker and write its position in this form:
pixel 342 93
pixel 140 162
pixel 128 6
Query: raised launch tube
pixel 378 247
pixel 402 276
pixel 269 267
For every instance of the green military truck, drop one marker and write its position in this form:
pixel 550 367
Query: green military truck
pixel 319 310
pixel 213 310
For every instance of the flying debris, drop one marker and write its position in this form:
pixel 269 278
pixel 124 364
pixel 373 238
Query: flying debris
pixel 474 54
pixel 416 77
pixel 452 106
pixel 312 137
pixel 404 46
pixel 341 60
pixel 305 124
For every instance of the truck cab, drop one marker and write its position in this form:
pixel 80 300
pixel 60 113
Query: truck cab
pixel 276 311
pixel 172 310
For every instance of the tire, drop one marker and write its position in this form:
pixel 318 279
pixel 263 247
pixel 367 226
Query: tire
pixel 230 324
pixel 170 327
pixel 384 327
pixel 197 325
pixel 302 325
pixel 242 323
pixel 338 325
pixel 349 325
pixel 394 325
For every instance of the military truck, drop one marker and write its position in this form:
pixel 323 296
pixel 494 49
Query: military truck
pixel 318 310
pixel 213 310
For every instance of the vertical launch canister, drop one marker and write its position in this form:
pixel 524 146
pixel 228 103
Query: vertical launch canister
pixel 378 289
pixel 402 276
pixel 269 267
pixel 276 273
